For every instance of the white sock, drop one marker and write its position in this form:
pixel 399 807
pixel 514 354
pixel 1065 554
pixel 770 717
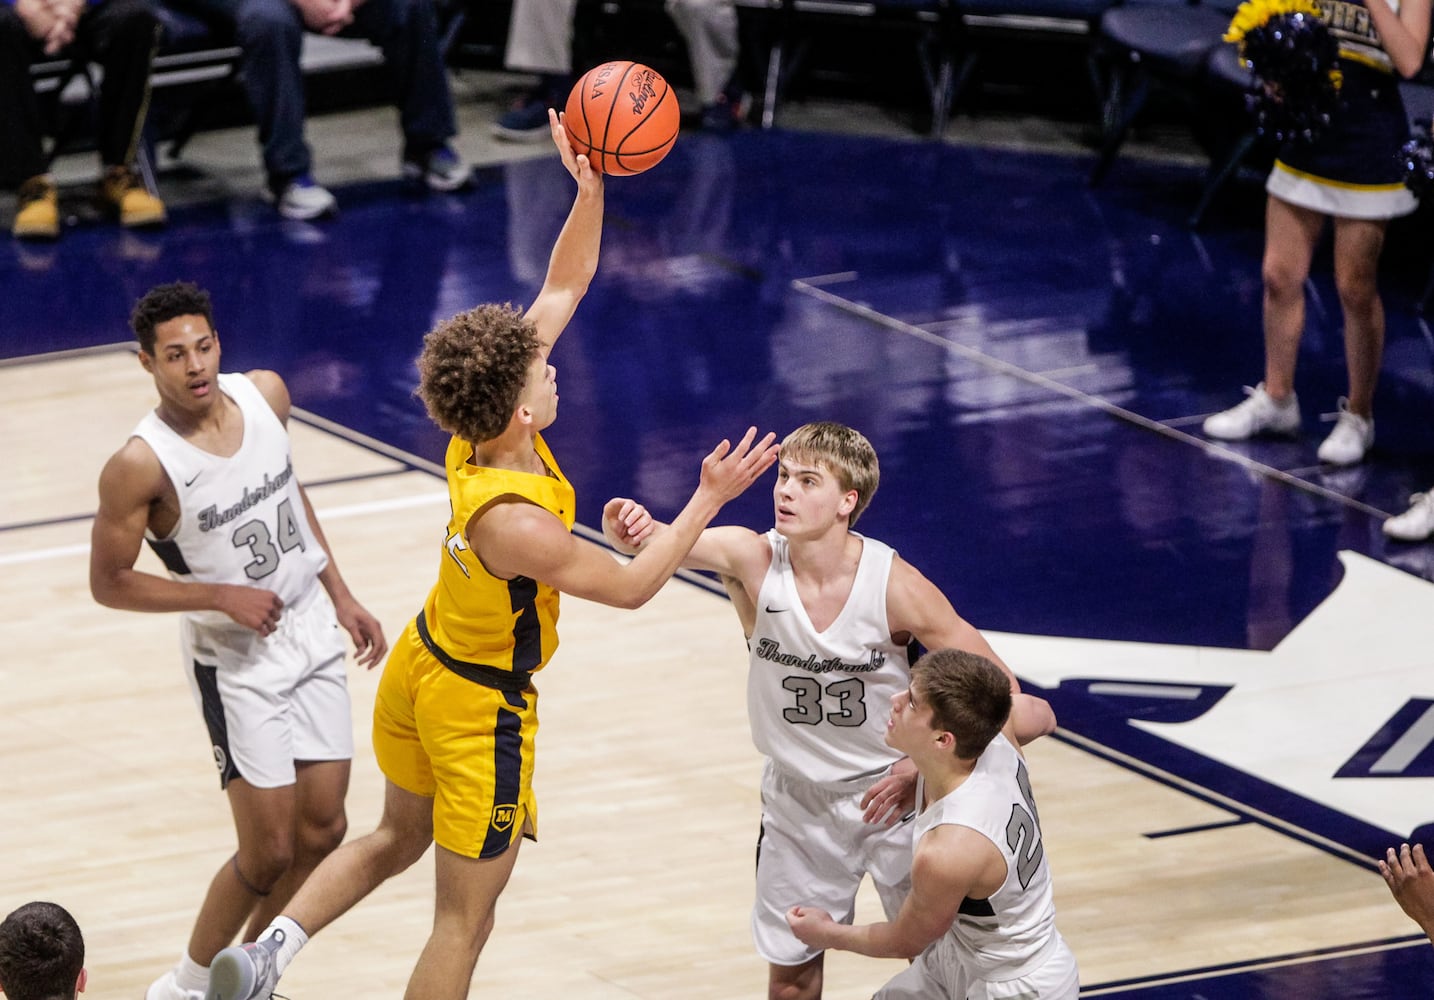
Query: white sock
pixel 190 975
pixel 291 937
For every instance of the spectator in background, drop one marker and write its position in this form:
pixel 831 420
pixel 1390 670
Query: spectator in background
pixel 271 34
pixel 1352 174
pixel 121 36
pixel 42 954
pixel 540 40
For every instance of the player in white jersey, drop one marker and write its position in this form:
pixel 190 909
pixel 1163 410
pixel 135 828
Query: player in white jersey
pixel 207 479
pixel 980 920
pixel 829 616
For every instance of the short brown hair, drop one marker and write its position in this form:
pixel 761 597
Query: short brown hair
pixel 41 953
pixel 165 302
pixel 970 697
pixel 473 368
pixel 846 454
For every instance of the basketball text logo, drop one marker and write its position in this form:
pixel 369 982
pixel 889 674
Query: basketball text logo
pixel 646 90
pixel 600 77
pixel 503 815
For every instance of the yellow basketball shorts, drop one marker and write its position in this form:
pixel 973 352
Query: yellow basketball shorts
pixel 466 746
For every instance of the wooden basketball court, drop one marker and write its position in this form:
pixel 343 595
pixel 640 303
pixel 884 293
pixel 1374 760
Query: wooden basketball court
pixel 640 883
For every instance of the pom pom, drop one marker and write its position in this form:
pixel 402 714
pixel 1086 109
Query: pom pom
pixel 1418 158
pixel 1294 64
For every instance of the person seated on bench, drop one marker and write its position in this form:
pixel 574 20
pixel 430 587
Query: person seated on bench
pixel 270 34
pixel 120 35
pixel 540 41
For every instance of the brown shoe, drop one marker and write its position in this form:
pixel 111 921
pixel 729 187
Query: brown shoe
pixel 122 189
pixel 37 216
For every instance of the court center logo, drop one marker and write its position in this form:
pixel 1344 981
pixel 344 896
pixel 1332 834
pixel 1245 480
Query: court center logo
pixel 503 816
pixel 1330 733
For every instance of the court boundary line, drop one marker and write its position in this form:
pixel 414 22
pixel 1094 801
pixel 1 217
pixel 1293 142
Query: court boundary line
pixel 1310 957
pixel 68 353
pixel 1211 797
pixel 811 287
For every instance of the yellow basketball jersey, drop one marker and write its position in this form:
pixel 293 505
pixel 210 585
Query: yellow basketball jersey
pixel 471 615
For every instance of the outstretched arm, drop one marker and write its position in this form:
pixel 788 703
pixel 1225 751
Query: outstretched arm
pixel 518 539
pixel 575 254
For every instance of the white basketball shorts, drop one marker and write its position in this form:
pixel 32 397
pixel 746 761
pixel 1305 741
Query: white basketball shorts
pixel 271 701
pixel 814 850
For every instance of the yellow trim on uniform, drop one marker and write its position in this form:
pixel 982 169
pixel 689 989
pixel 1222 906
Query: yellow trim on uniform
pixel 1384 65
pixel 1346 185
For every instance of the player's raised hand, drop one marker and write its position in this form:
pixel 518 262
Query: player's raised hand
pixel 588 179
pixel 728 470
pixel 251 607
pixel 626 524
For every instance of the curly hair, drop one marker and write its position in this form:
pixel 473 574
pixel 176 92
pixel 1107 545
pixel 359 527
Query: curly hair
pixel 41 952
pixel 164 302
pixel 473 368
pixel 970 697
pixel 844 452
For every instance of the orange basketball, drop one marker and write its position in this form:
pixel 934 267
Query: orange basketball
pixel 623 116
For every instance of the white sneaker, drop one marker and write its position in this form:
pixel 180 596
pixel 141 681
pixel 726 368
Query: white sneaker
pixel 165 988
pixel 303 199
pixel 1259 414
pixel 1416 523
pixel 246 971
pixel 1350 439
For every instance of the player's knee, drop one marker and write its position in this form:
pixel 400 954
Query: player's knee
pixel 260 866
pixel 319 838
pixel 797 982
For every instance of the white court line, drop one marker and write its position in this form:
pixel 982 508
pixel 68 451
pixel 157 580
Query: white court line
pixel 325 514
pixel 1165 429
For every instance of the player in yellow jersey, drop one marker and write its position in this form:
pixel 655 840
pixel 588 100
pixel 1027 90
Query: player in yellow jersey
pixel 455 714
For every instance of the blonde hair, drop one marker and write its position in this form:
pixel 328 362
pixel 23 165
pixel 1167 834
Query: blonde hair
pixel 844 452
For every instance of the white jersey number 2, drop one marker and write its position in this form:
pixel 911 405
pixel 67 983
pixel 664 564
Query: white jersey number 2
pixel 1023 830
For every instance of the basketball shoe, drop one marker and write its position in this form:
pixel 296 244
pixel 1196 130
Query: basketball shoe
pixel 527 119
pixel 165 988
pixel 1416 523
pixel 1350 439
pixel 439 169
pixel 1259 414
pixel 246 971
pixel 302 199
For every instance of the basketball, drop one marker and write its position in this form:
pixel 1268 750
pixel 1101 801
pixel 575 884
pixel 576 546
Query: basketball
pixel 623 116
